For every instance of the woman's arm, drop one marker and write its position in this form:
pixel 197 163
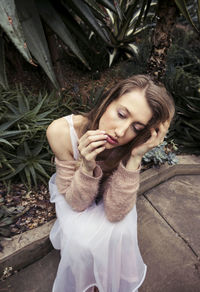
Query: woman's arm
pixel 79 186
pixel 120 193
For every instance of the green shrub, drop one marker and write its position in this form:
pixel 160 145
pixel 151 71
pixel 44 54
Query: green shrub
pixel 183 81
pixel 24 117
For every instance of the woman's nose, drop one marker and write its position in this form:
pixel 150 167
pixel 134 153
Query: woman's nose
pixel 120 131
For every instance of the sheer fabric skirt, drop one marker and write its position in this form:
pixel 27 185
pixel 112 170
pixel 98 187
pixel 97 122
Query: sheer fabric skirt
pixel 94 251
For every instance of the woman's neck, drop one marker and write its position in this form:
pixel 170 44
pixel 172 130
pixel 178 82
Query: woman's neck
pixel 79 124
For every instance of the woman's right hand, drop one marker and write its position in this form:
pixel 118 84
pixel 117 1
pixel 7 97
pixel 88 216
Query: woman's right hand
pixel 90 145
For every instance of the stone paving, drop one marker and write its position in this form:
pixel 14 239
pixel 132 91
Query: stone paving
pixel 169 235
pixel 169 240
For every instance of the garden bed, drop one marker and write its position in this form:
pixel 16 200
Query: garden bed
pixel 32 208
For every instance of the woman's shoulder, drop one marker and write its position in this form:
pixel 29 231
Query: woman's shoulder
pixel 58 135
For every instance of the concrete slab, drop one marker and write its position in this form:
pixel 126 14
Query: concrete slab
pixel 171 265
pixel 178 201
pixel 37 277
pixel 188 159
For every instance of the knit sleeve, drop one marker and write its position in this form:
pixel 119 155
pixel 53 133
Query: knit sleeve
pixel 79 188
pixel 120 193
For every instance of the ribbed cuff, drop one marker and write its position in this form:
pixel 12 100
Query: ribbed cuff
pixel 125 173
pixel 97 173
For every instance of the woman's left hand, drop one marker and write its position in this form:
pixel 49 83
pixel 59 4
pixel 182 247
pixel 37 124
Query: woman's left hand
pixel 157 137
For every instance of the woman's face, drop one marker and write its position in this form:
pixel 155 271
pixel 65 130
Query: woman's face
pixel 124 118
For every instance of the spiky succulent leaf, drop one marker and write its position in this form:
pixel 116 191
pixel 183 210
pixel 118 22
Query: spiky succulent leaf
pixel 108 4
pixel 182 5
pixel 35 37
pixel 93 4
pixel 52 18
pixel 86 14
pixel 3 77
pixel 10 23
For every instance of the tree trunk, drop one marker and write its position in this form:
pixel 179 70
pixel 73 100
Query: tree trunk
pixel 167 12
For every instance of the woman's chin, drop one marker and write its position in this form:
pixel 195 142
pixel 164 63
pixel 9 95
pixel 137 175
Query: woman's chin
pixel 110 146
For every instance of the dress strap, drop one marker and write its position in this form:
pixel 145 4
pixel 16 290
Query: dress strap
pixel 73 135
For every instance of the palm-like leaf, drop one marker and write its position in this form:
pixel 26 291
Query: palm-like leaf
pixel 182 5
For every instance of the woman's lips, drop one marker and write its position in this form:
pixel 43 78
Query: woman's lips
pixel 111 140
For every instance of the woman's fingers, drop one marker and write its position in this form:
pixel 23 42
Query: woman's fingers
pixel 92 155
pixel 91 136
pixel 158 135
pixel 163 128
pixel 92 146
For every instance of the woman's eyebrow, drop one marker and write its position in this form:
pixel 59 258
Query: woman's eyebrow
pixel 139 123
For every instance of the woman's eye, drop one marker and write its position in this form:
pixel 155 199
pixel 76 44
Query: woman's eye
pixel 136 130
pixel 121 115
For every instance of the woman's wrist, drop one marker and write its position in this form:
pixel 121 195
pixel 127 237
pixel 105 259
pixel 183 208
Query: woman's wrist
pixel 88 170
pixel 133 163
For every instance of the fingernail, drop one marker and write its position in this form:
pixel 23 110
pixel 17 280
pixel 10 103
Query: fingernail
pixel 103 132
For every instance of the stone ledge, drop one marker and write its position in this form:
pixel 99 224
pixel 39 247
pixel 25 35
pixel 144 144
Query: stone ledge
pixel 24 249
pixel 187 165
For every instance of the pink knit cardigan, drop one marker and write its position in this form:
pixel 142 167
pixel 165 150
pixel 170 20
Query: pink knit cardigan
pixel 81 189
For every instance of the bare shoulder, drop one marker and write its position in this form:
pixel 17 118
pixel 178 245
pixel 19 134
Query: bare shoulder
pixel 58 135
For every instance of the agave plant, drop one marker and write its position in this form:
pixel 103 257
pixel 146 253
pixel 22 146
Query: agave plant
pixel 22 21
pixel 22 136
pixel 28 162
pixel 134 17
pixel 116 23
pixel 24 152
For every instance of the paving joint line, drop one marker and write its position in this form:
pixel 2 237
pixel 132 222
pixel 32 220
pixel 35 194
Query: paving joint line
pixel 178 234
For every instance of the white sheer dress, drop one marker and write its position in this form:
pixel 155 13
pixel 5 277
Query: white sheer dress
pixel 94 251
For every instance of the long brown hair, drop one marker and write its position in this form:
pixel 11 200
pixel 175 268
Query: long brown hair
pixel 159 100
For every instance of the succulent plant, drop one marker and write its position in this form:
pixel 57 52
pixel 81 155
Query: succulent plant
pixel 161 154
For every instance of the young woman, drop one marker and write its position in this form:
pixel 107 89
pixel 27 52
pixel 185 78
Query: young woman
pixel 98 158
